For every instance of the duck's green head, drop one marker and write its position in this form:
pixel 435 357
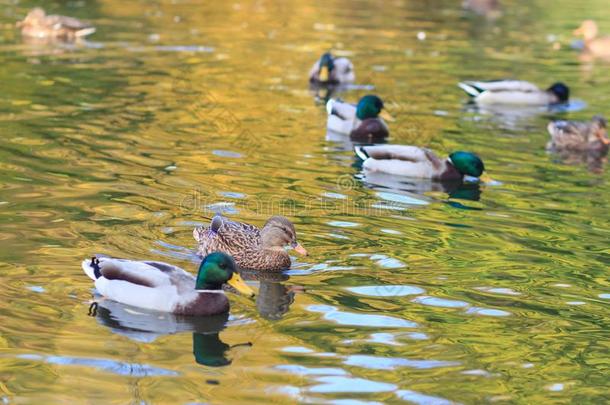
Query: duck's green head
pixel 327 65
pixel 369 106
pixel 217 269
pixel 467 163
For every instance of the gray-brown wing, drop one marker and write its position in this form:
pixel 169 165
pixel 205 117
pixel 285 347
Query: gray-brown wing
pixel 59 21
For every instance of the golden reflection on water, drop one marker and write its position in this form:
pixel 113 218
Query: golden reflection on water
pixel 174 111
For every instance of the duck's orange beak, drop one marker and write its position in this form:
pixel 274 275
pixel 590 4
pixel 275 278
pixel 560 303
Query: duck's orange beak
pixel 300 249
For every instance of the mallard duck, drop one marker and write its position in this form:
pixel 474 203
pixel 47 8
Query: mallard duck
pixel 362 122
pixel 597 46
pixel 329 70
pixel 252 248
pixel 579 136
pixel 166 288
pixel 38 24
pixel 413 161
pixel 515 92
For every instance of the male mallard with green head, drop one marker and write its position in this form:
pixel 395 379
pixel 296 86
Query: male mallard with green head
pixel 37 24
pixel 413 161
pixel 578 135
pixel 162 287
pixel 362 122
pixel 515 92
pixel 253 249
pixel 329 70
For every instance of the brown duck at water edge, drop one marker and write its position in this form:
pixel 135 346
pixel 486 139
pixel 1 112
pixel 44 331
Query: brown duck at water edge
pixel 579 136
pixel 598 46
pixel 37 24
pixel 254 249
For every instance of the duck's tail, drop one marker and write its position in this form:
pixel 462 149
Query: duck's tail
pixel 329 106
pixel 361 152
pixel 91 267
pixel 470 89
pixel 85 31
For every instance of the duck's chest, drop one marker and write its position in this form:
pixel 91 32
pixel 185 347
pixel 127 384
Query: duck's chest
pixel 203 304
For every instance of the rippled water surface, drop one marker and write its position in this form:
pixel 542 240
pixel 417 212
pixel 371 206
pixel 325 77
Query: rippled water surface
pixel 177 109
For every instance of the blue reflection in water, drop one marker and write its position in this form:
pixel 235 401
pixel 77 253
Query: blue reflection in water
pixel 349 384
pixel 348 318
pixel 421 399
pixel 302 370
pixel 391 363
pixel 111 366
pixel 387 290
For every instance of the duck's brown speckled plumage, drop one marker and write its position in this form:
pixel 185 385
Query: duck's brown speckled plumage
pixel 245 243
pixel 579 136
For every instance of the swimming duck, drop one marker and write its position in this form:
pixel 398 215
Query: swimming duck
pixel 579 136
pixel 515 92
pixel 252 248
pixel 329 70
pixel 166 288
pixel 413 161
pixel 597 46
pixel 38 24
pixel 362 122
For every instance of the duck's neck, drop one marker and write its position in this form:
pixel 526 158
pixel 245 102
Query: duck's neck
pixel 450 172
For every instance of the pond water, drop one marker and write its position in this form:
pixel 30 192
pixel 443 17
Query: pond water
pixel 174 110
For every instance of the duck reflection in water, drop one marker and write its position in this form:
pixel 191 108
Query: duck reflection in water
pixel 274 298
pixel 147 326
pixel 416 188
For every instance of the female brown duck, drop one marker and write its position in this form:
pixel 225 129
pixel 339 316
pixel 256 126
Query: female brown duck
pixel 255 249
pixel 579 136
pixel 37 24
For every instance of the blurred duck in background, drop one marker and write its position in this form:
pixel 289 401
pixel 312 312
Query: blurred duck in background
pixel 38 25
pixel 363 122
pixel 489 9
pixel 579 136
pixel 514 92
pixel 332 71
pixel 593 44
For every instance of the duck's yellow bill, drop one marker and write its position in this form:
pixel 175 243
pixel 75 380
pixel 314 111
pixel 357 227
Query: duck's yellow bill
pixel 238 283
pixel 324 74
pixel 485 178
pixel 386 116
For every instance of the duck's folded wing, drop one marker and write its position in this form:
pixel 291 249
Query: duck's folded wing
pixel 558 128
pixel 505 85
pixel 67 22
pixel 343 110
pixel 239 235
pixel 345 68
pixel 394 152
pixel 140 273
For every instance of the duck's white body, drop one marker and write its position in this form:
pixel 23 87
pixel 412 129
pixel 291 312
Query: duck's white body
pixel 511 92
pixel 403 160
pixel 343 72
pixel 152 285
